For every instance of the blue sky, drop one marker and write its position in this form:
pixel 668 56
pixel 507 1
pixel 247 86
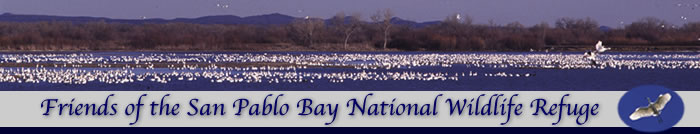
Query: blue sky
pixel 528 12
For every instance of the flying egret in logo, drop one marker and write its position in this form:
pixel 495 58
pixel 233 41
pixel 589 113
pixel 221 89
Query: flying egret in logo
pixel 653 109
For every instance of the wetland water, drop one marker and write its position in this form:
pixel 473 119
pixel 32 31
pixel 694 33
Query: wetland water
pixel 333 71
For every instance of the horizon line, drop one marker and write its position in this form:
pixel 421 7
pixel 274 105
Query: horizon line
pixel 298 17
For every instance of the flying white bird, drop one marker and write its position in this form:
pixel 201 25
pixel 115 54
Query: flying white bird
pixel 653 109
pixel 600 48
pixel 591 55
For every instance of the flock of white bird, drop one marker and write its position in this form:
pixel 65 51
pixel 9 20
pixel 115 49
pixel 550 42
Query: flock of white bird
pixel 298 68
pixel 83 76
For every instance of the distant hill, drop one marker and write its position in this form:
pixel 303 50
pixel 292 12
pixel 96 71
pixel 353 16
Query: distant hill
pixel 267 19
pixel 400 21
pixel 604 28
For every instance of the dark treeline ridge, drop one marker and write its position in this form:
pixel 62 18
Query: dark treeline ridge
pixel 344 33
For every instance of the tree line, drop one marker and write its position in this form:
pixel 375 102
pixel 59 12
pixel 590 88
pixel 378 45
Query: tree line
pixel 343 32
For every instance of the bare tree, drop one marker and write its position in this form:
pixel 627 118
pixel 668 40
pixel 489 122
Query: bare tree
pixel 346 25
pixel 383 19
pixel 579 27
pixel 455 27
pixel 542 28
pixel 456 24
pixel 307 27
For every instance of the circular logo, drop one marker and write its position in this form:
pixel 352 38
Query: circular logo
pixel 650 108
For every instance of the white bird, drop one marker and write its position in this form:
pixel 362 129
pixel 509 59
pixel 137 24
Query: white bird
pixel 653 109
pixel 592 55
pixel 600 48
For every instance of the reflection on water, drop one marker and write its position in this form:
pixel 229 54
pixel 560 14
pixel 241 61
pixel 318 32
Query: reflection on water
pixel 344 71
